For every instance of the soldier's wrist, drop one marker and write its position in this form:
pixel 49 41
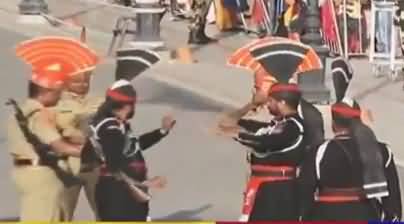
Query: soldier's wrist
pixel 146 183
pixel 164 131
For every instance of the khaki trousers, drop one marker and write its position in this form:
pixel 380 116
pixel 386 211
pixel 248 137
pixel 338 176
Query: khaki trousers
pixel 71 195
pixel 40 192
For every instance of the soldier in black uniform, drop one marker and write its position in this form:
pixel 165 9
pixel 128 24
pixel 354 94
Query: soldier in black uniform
pixel 277 151
pixel 121 192
pixel 353 175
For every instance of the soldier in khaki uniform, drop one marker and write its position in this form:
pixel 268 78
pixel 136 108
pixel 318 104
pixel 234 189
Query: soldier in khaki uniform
pixel 74 111
pixel 38 184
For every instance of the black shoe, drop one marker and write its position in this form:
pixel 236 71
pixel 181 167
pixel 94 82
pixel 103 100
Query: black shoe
pixel 205 39
pixel 201 41
pixel 199 38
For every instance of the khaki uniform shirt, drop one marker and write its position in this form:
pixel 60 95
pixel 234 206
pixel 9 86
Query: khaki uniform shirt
pixel 41 123
pixel 73 114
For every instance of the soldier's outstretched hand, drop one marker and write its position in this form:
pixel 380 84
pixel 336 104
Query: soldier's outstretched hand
pixel 167 122
pixel 367 117
pixel 226 121
pixel 229 132
pixel 157 182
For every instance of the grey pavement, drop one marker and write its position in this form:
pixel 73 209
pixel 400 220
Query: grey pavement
pixel 210 77
pixel 205 173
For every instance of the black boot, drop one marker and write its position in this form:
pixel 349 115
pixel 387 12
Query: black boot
pixel 197 36
pixel 203 37
pixel 192 37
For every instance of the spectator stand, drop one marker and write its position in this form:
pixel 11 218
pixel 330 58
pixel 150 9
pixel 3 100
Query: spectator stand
pixel 385 55
pixel 344 27
pixel 353 26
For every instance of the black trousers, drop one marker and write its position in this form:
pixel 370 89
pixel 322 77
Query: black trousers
pixel 115 203
pixel 276 201
pixel 349 211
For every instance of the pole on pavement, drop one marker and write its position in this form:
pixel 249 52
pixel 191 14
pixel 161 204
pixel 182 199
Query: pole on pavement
pixel 33 7
pixel 313 83
pixel 148 17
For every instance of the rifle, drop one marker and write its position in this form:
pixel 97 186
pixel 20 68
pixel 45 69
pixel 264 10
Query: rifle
pixel 44 151
pixel 135 187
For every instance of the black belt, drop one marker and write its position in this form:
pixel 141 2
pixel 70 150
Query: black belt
pixel 26 162
pixel 30 162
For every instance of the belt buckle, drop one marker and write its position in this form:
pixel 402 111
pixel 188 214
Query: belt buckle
pixel 35 162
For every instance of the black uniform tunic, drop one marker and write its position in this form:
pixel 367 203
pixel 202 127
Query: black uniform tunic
pixel 278 143
pixel 123 152
pixel 337 165
pixel 391 205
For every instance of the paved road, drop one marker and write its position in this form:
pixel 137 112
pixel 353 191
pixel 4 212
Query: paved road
pixel 205 173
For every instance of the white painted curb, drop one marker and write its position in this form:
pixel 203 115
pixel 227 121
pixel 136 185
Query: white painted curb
pixel 32 20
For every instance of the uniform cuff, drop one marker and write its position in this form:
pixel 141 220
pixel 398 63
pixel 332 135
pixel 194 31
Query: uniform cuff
pixel 243 135
pixel 163 132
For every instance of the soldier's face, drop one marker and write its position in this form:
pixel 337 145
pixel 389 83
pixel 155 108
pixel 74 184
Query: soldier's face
pixel 51 97
pixel 79 84
pixel 126 112
pixel 131 113
pixel 272 105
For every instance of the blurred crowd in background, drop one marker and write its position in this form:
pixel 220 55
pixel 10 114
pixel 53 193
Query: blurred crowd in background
pixel 345 23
